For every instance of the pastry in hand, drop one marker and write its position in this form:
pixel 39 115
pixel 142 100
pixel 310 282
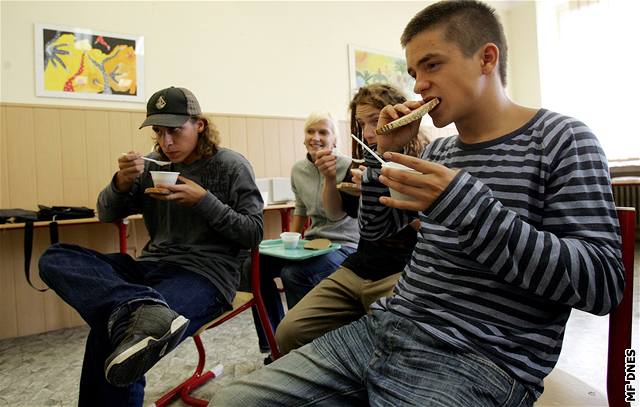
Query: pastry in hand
pixel 411 117
pixel 157 191
pixel 349 188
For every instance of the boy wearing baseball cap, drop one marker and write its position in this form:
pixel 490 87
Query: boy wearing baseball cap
pixel 140 309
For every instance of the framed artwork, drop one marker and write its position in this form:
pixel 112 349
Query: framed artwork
pixel 86 64
pixel 367 66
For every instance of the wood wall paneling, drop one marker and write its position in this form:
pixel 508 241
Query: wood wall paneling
pixel 49 156
pixel 21 157
pixel 255 152
pixel 74 158
pixel 286 146
pixel 120 137
pixel 300 151
pixel 4 168
pixel 100 169
pixel 142 139
pixel 238 135
pixel 8 313
pixel 29 302
pixel 65 155
pixel 221 124
pixel 271 148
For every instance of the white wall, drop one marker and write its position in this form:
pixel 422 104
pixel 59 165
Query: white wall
pixel 523 72
pixel 265 58
pixel 238 57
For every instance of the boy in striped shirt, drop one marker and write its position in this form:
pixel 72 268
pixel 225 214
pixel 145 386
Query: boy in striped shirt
pixel 518 226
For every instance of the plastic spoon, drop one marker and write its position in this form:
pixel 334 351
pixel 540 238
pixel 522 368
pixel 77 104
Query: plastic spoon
pixel 369 150
pixel 153 161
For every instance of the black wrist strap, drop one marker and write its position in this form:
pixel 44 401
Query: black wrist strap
pixel 28 245
pixel 53 232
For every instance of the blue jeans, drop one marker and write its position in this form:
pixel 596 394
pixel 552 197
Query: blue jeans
pixel 298 278
pixel 96 284
pixel 381 359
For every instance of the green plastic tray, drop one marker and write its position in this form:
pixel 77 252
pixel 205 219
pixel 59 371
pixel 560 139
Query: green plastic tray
pixel 276 248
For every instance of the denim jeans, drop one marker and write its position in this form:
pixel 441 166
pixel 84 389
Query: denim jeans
pixel 96 284
pixel 381 359
pixel 298 278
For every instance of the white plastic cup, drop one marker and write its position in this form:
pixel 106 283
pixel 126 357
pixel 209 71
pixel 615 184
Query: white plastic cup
pixel 290 240
pixel 395 194
pixel 164 177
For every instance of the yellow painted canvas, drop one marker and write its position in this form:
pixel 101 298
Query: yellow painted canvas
pixel 368 67
pixel 87 64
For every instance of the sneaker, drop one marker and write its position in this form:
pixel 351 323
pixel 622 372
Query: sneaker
pixel 152 331
pixel 268 360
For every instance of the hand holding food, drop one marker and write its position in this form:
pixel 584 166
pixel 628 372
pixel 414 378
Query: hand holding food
pixel 189 193
pixel 420 180
pixel 398 124
pixel 411 117
pixel 356 174
pixel 130 167
pixel 326 163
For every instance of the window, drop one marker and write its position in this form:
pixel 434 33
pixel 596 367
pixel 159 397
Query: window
pixel 590 68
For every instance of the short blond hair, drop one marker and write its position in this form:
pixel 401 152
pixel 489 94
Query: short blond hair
pixel 317 117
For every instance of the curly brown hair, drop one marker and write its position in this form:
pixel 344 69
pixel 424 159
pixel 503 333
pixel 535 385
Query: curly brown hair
pixel 208 139
pixel 380 95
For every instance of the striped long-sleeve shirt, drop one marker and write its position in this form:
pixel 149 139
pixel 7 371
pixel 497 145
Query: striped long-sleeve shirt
pixel 526 231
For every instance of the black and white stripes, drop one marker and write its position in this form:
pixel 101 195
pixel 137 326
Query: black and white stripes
pixel 525 232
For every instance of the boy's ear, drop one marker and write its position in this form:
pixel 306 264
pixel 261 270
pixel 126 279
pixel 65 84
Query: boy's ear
pixel 200 125
pixel 489 56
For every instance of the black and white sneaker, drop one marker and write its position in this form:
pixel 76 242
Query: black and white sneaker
pixel 153 330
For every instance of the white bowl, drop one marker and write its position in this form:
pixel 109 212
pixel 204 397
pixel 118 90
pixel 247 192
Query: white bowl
pixel 395 194
pixel 164 177
pixel 290 239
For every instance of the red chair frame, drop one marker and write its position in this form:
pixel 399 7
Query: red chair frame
pixel 620 320
pixel 198 378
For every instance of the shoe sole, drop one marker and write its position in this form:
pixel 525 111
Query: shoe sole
pixel 134 362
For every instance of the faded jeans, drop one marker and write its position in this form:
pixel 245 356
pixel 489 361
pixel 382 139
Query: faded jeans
pixel 96 284
pixel 380 360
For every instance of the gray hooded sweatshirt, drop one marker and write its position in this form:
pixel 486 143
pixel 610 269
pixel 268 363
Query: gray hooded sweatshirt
pixel 207 237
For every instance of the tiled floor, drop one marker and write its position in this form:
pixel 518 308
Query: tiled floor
pixel 43 370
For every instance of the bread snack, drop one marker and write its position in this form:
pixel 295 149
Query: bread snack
pixel 349 188
pixel 157 191
pixel 317 244
pixel 411 117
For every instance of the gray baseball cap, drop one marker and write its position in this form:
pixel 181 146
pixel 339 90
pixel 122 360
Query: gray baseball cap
pixel 171 107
